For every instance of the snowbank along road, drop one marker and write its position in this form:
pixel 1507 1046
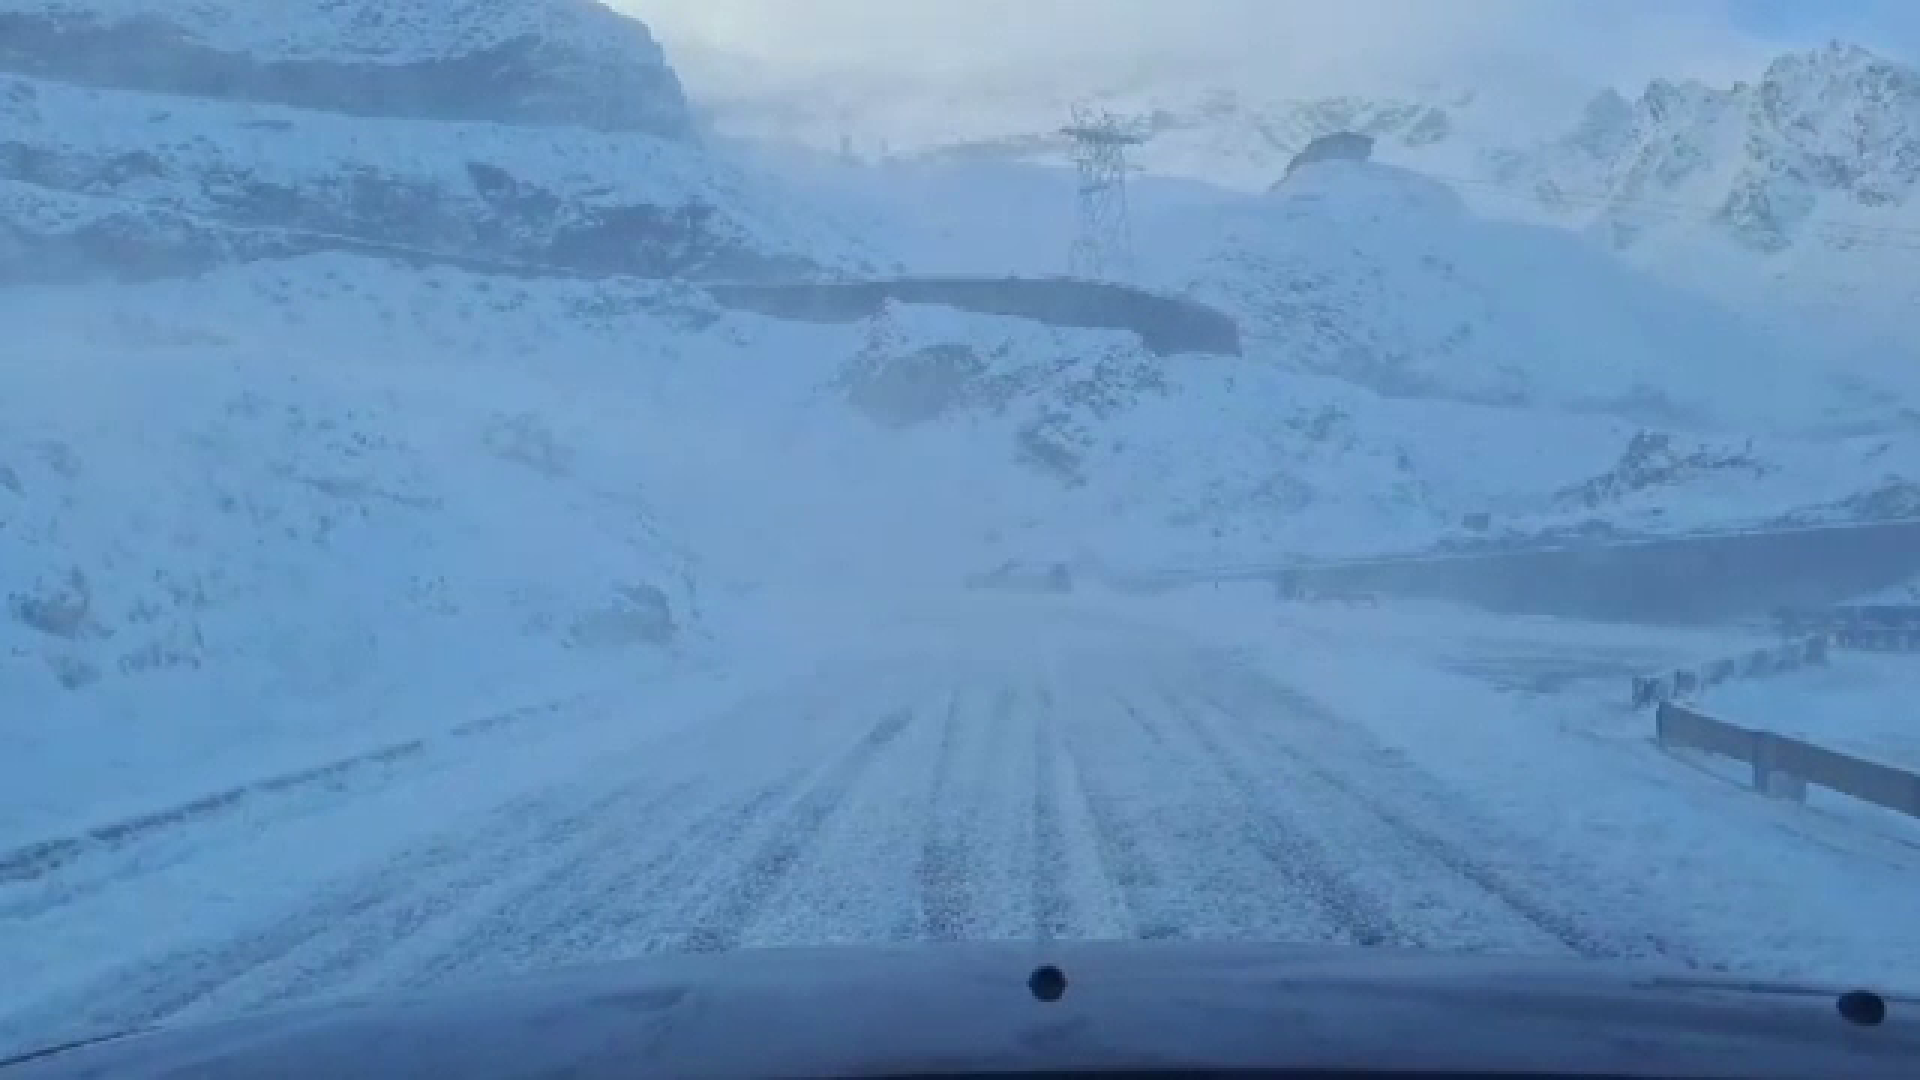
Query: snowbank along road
pixel 1083 781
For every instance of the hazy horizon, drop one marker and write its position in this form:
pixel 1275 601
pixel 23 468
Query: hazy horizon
pixel 1286 46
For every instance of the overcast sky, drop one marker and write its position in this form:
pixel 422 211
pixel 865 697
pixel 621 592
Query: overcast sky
pixel 1323 44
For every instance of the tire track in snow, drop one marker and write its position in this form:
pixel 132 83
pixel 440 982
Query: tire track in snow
pixel 1556 924
pixel 565 892
pixel 1215 875
pixel 618 888
pixel 319 941
pixel 720 926
pixel 1302 865
pixel 1369 799
pixel 148 991
pixel 566 849
pixel 942 871
pixel 1120 846
pixel 642 889
pixel 1052 906
pixel 980 828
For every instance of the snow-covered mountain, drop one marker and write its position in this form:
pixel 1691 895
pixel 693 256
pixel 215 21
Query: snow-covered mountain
pixel 255 449
pixel 161 138
pixel 1797 186
pixel 501 61
pixel 1788 195
pixel 158 184
pixel 1387 278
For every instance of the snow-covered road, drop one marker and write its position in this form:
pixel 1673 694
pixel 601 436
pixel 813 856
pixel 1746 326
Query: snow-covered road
pixel 1083 786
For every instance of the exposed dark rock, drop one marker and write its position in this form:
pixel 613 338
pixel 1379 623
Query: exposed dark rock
pixel 1337 146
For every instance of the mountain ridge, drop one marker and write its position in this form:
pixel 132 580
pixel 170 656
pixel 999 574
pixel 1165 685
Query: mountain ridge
pixel 571 62
pixel 1789 195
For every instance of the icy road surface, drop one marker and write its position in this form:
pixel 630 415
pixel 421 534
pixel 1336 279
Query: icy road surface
pixel 1086 782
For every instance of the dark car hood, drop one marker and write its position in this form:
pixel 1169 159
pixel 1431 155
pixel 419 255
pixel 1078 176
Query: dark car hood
pixel 969 1008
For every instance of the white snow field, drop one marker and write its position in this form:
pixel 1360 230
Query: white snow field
pixel 1860 703
pixel 389 601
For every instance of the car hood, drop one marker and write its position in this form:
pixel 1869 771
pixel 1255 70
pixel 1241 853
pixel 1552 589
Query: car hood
pixel 949 1009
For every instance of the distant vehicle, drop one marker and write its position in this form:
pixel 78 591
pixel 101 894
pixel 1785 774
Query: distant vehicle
pixel 1145 1009
pixel 1018 576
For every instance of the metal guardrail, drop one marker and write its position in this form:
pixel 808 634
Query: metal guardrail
pixel 1783 766
pixel 1659 689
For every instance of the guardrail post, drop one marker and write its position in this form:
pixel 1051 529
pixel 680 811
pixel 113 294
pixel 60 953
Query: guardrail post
pixel 1643 691
pixel 1685 684
pixel 1768 778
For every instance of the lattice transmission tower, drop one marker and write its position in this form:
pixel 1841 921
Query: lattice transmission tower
pixel 1103 239
pixel 1103 236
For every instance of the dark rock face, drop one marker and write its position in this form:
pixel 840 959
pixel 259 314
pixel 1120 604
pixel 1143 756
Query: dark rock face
pixel 1651 461
pixel 524 79
pixel 1337 146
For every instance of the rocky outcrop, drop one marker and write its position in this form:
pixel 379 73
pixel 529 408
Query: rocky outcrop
pixel 1651 463
pixel 1835 127
pixel 1334 146
pixel 542 62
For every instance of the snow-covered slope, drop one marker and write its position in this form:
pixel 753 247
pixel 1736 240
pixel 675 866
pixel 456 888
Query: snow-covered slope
pixel 271 505
pixel 1389 279
pixel 159 183
pixel 1788 196
pixel 1386 278
pixel 1797 187
pixel 545 62
pixel 224 535
pixel 142 138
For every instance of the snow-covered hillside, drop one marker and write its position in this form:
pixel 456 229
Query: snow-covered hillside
pixel 142 138
pixel 1803 179
pixel 220 532
pixel 1387 278
pixel 1788 195
pixel 151 183
pixel 391 393
pixel 272 499
pixel 554 61
pixel 1384 277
